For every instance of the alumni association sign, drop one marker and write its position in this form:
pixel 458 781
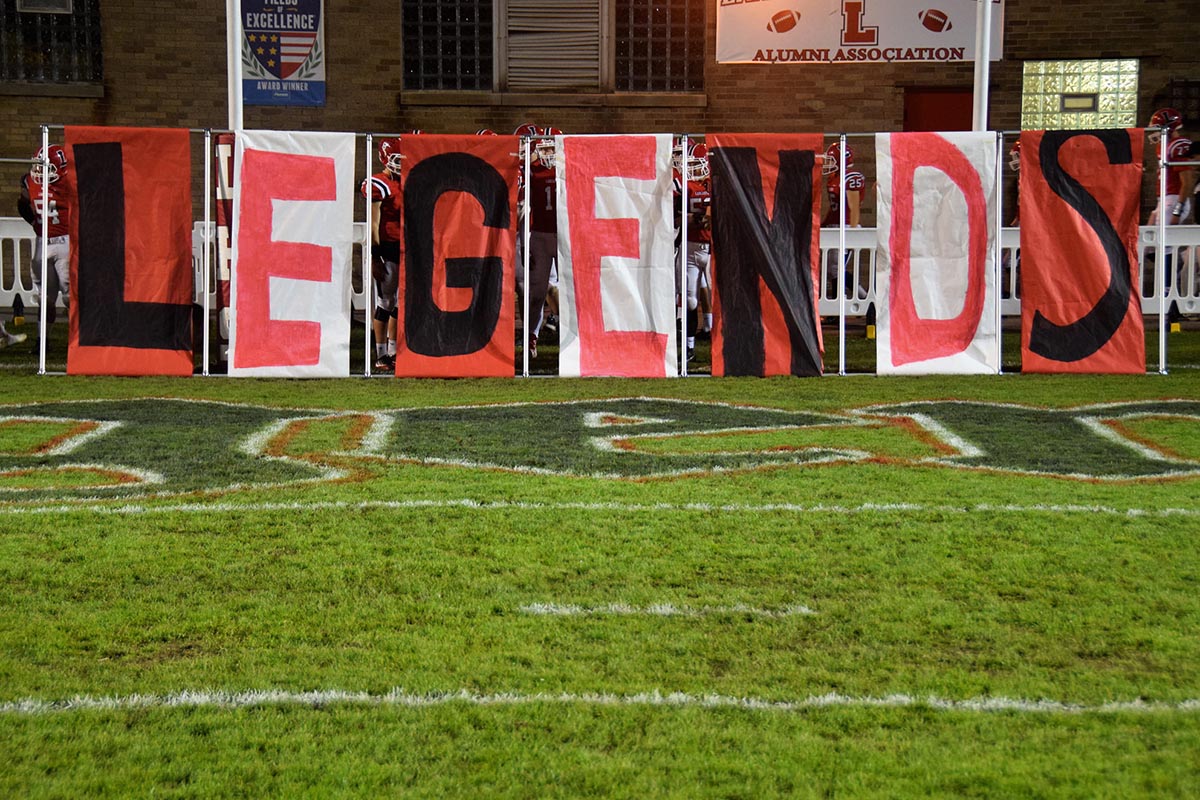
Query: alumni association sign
pixel 851 31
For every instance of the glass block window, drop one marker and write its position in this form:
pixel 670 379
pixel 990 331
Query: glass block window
pixel 43 43
pixel 448 44
pixel 551 45
pixel 1079 95
pixel 659 46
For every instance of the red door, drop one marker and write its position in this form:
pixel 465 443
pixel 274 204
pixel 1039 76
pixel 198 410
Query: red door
pixel 938 110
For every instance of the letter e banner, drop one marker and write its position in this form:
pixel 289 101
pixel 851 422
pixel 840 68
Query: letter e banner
pixel 292 237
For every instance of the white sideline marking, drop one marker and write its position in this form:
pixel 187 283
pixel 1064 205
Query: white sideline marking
pixel 507 505
pixel 660 610
pixel 399 698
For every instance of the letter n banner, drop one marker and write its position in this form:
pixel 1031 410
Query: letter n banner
pixel 456 300
pixel 765 256
pixel 292 237
pixel 131 254
pixel 1080 195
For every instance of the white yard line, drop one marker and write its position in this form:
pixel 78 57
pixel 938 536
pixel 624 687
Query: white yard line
pixel 135 509
pixel 661 610
pixel 399 698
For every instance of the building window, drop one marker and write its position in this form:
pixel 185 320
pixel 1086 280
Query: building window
pixel 448 44
pixel 45 6
pixel 50 42
pixel 659 46
pixel 1184 96
pixel 1080 95
pixel 548 45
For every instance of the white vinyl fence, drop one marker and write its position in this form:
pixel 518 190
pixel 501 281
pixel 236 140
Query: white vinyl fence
pixel 1182 280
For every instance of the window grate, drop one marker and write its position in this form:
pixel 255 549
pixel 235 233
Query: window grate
pixel 554 45
pixel 51 47
pixel 448 44
pixel 659 46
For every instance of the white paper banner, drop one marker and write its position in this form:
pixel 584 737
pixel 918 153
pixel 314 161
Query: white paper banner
pixel 935 268
pixel 616 256
pixel 292 236
pixel 851 31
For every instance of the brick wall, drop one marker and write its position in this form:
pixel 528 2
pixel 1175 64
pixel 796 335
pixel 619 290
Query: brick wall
pixel 164 65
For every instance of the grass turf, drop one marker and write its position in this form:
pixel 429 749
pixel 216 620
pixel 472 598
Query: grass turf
pixel 954 584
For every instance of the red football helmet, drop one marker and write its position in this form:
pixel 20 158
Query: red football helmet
pixel 390 156
pixel 527 129
pixel 544 147
pixel 1167 118
pixel 697 162
pixel 833 159
pixel 55 159
pixel 1014 156
pixel 485 132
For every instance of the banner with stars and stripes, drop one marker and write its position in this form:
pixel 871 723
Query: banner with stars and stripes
pixel 283 52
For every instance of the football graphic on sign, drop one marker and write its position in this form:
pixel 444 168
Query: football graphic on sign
pixel 935 20
pixel 783 21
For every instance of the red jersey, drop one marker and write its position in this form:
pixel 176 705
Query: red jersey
pixel 543 200
pixel 1177 150
pixel 384 189
pixel 855 182
pixel 699 199
pixel 59 209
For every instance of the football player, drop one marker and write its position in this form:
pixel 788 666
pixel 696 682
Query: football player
pixel 1174 208
pixel 1178 202
pixel 1009 262
pixel 53 201
pixel 542 202
pixel 692 172
pixel 856 182
pixel 383 191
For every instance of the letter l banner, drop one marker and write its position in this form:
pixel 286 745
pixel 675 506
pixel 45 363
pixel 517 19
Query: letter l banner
pixel 292 238
pixel 131 254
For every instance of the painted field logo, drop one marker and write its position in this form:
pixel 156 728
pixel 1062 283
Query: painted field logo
pixel 117 448
pixel 122 448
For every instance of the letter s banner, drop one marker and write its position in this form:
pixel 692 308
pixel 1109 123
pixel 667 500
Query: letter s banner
pixel 131 252
pixel 1079 203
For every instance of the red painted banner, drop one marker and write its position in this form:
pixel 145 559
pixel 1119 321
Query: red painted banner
pixel 131 253
pixel 766 254
pixel 935 267
pixel 1079 203
pixel 616 257
pixel 457 277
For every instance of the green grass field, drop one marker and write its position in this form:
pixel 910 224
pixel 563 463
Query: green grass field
pixel 839 587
